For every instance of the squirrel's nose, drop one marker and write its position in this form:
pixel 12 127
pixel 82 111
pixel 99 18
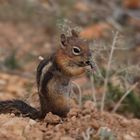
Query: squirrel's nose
pixel 91 64
pixel 88 62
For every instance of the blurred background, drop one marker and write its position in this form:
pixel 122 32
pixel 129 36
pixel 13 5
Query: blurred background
pixel 31 28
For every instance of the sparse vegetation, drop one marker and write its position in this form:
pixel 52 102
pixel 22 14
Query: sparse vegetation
pixel 107 103
pixel 11 61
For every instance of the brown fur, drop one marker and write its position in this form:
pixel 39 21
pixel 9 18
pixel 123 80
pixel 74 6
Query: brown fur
pixel 69 66
pixel 54 79
pixel 65 63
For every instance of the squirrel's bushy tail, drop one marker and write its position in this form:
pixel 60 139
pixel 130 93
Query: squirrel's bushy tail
pixel 19 107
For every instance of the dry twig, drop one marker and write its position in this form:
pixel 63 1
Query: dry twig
pixel 123 97
pixel 93 89
pixel 107 71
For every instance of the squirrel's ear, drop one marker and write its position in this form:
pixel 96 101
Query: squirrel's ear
pixel 63 39
pixel 74 33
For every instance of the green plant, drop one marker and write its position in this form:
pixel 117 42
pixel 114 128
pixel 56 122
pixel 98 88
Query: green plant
pixel 130 104
pixel 11 61
pixel 105 134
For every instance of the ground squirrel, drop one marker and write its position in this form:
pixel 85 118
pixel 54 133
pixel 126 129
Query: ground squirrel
pixel 53 78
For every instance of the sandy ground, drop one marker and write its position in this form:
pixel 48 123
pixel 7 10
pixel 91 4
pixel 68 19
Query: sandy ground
pixel 81 123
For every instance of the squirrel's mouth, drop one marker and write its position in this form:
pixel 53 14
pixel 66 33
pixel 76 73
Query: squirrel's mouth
pixel 90 63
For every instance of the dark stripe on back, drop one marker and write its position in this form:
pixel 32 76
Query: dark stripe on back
pixel 44 90
pixel 40 68
pixel 46 78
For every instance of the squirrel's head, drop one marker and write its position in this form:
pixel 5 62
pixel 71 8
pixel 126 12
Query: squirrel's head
pixel 74 53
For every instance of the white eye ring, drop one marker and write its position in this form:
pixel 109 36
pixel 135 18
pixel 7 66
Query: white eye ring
pixel 76 50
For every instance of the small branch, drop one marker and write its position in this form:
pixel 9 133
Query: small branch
pixel 108 70
pixel 128 68
pixel 115 24
pixel 93 89
pixel 123 97
pixel 87 135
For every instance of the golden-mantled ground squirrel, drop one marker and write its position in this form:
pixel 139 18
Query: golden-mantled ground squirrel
pixel 53 79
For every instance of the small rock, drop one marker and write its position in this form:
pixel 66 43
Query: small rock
pixel 2 82
pixel 73 118
pixel 74 112
pixel 95 124
pixel 128 137
pixel 133 134
pixel 52 119
pixel 86 111
pixel 124 122
pixel 67 138
pixel 16 125
pixel 57 136
pixel 89 105
pixel 32 122
pixel 12 115
pixel 57 127
pixel 49 133
pixel 32 132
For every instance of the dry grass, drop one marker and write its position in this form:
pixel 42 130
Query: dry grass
pixel 107 71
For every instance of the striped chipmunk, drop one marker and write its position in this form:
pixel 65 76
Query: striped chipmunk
pixel 53 79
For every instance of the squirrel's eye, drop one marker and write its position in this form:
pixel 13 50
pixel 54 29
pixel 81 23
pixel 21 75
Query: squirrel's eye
pixel 76 50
